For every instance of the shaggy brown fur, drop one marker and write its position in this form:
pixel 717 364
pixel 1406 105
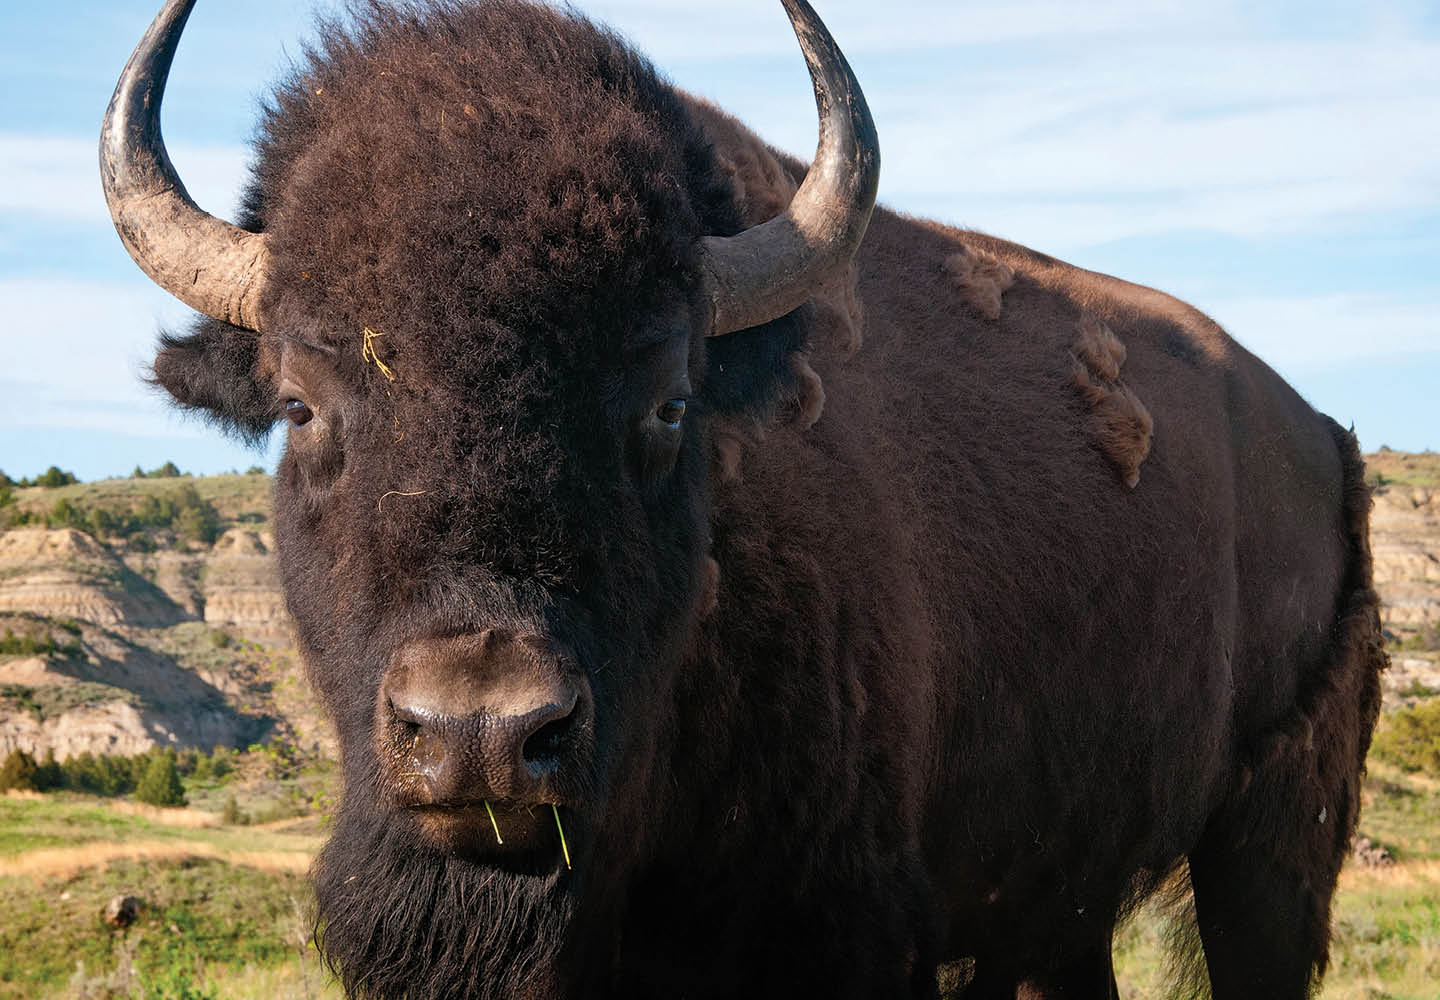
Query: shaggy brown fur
pixel 916 679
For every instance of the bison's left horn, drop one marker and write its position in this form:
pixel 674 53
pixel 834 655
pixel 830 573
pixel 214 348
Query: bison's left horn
pixel 207 263
pixel 772 268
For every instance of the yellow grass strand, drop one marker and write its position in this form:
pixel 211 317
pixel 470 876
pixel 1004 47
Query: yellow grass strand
pixel 494 825
pixel 368 353
pixel 563 846
pixel 379 509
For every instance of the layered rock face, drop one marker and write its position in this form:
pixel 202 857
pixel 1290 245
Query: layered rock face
pixel 1405 540
pixel 233 584
pixel 189 644
pixel 65 573
pixel 118 648
pixel 242 586
pixel 116 727
pixel 104 691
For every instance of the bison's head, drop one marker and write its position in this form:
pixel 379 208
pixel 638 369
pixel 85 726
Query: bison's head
pixel 492 278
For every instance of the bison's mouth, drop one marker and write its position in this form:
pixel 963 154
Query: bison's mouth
pixel 529 833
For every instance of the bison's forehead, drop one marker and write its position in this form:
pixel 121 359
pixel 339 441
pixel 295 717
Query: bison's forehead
pixel 489 174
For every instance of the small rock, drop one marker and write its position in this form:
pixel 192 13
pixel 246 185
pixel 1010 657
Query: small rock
pixel 122 911
pixel 1369 854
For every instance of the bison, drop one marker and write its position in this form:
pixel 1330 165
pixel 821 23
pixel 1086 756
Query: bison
pixel 721 589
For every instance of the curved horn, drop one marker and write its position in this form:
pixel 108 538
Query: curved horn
pixel 772 268
pixel 207 263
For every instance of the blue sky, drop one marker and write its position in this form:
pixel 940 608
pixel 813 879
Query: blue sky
pixel 1278 165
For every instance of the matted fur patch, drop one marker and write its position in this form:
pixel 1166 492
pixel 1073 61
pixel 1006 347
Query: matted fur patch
pixel 1123 426
pixel 810 391
pixel 836 317
pixel 725 465
pixel 981 278
pixel 709 598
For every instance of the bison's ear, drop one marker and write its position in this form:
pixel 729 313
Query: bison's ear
pixel 215 370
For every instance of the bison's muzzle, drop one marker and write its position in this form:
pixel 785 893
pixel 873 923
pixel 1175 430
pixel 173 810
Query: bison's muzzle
pixel 476 733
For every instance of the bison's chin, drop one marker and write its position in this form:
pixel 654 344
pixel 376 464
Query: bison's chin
pixel 398 918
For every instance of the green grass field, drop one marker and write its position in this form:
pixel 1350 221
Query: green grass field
pixel 227 908
pixel 1402 468
pixel 238 498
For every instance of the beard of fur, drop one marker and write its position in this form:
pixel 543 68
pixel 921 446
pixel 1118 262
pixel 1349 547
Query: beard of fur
pixel 398 920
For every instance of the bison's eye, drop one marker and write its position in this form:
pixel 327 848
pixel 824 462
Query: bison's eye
pixel 298 412
pixel 670 412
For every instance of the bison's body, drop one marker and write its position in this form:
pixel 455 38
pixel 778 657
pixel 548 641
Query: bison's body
pixel 970 600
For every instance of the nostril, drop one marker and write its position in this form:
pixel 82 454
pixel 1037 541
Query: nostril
pixel 544 746
pixel 404 725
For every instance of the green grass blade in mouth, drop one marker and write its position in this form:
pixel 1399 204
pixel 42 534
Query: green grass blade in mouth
pixel 563 846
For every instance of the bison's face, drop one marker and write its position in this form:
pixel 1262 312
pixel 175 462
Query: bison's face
pixel 495 551
pixel 492 510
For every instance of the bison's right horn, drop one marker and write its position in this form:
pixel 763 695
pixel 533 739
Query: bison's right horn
pixel 772 268
pixel 207 263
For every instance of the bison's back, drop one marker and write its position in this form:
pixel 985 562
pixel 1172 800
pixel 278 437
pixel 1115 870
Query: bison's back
pixel 1108 659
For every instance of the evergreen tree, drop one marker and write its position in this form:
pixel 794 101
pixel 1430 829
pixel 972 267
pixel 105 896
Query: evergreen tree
pixel 195 519
pixel 48 774
pixel 54 477
pixel 18 771
pixel 161 784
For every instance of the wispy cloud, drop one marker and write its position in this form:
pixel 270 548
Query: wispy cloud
pixel 80 354
pixel 675 32
pixel 58 178
pixel 1098 144
pixel 1330 330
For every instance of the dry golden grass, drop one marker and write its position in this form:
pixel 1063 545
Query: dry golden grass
pixel 53 862
pixel 1406 874
pixel 25 794
pixel 189 819
pixel 281 825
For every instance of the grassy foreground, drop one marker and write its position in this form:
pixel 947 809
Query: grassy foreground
pixel 1386 939
pixel 226 912
pixel 225 908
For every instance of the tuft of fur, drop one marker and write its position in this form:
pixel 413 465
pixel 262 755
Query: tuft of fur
pixel 710 589
pixel 728 448
pixel 810 392
pixel 1123 426
pixel 981 278
pixel 211 371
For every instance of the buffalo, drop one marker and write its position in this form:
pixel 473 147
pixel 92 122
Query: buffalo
pixel 723 587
